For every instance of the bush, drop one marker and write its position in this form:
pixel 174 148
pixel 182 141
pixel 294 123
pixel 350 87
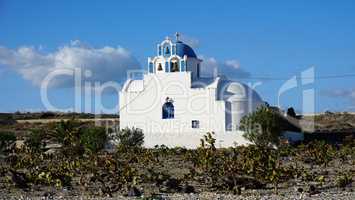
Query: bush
pixel 35 140
pixel 7 120
pixel 130 137
pixel 6 138
pixel 93 139
pixel 343 179
pixel 291 112
pixel 206 152
pixel 262 127
pixel 67 133
pixel 319 152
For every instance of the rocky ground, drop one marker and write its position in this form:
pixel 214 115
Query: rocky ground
pixel 255 195
pixel 290 189
pixel 317 171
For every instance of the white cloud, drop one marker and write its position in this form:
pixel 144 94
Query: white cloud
pixel 341 93
pixel 191 41
pixel 209 66
pixel 233 63
pixel 230 68
pixel 106 63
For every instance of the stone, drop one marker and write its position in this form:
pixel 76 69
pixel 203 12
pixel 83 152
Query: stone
pixel 133 192
pixel 188 188
pixel 300 189
pixel 19 144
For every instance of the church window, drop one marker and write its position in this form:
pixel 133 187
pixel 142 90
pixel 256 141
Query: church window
pixel 160 67
pixel 167 51
pixel 174 67
pixel 198 70
pixel 195 124
pixel 168 109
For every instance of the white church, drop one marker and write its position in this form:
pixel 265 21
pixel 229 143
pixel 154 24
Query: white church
pixel 175 105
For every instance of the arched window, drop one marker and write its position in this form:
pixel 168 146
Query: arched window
pixel 167 51
pixel 160 67
pixel 168 110
pixel 174 67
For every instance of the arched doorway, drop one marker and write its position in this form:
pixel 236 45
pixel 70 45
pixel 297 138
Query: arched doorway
pixel 168 110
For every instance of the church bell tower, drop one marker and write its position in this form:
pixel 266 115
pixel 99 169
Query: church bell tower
pixel 174 57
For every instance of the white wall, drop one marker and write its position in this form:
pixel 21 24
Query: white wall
pixel 142 108
pixel 145 108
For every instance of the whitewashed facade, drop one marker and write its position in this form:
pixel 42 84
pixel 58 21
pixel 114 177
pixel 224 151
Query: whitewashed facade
pixel 175 106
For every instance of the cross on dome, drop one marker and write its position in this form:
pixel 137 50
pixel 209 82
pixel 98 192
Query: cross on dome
pixel 177 35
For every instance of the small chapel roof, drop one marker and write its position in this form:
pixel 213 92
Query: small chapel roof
pixel 184 49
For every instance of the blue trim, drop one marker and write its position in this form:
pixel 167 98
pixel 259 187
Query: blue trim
pixel 182 66
pixel 174 50
pixel 151 67
pixel 167 67
pixel 159 50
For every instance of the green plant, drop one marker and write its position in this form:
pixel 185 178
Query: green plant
pixel 346 152
pixel 291 112
pixel 206 157
pixel 130 137
pixel 343 179
pixel 68 134
pixel 35 140
pixel 264 164
pixel 306 175
pixel 93 139
pixel 6 138
pixel 318 152
pixel 262 127
pixel 320 180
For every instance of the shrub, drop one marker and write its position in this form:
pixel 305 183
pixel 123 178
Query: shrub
pixel 343 179
pixel 6 138
pixel 68 134
pixel 291 112
pixel 206 153
pixel 7 120
pixel 262 127
pixel 130 137
pixel 93 139
pixel 317 152
pixel 35 140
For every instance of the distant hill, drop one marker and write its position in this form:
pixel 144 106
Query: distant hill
pixel 333 122
pixel 52 115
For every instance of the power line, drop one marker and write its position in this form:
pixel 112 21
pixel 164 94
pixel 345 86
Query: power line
pixel 287 78
pixel 264 78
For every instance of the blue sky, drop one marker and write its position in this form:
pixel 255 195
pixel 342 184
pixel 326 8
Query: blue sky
pixel 276 39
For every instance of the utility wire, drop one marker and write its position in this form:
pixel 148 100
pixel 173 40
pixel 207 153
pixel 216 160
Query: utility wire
pixel 263 78
pixel 315 77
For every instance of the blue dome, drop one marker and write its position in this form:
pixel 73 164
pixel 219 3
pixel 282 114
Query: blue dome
pixel 184 49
